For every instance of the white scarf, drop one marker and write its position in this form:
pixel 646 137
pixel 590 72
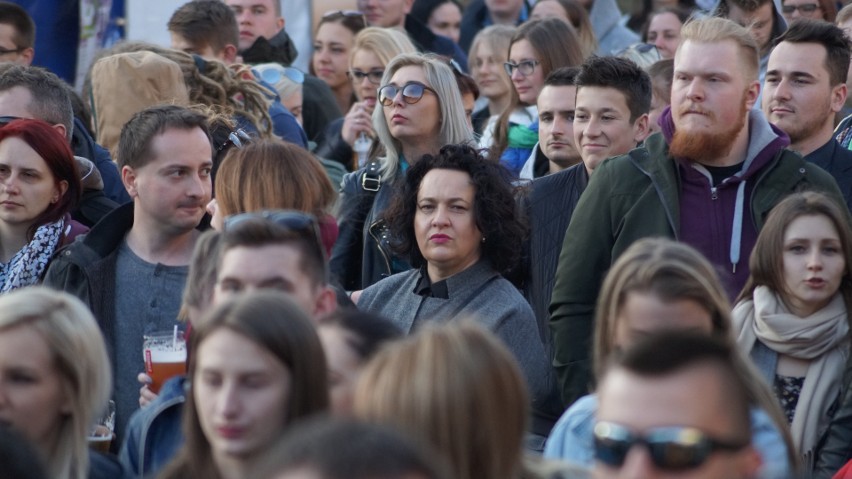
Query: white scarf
pixel 28 264
pixel 821 338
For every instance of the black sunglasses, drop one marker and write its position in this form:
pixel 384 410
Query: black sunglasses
pixel 670 448
pixel 412 92
pixel 237 138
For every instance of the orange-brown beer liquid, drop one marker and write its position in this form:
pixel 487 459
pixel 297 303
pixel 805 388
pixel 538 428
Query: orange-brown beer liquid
pixel 161 372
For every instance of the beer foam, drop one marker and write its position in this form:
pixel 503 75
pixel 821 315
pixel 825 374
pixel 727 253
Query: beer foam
pixel 160 356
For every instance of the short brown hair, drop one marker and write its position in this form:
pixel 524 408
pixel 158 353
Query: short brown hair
pixel 716 30
pixel 134 144
pixel 272 174
pixel 206 22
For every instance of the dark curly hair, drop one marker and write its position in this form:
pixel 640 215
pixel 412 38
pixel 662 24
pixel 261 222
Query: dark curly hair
pixel 494 210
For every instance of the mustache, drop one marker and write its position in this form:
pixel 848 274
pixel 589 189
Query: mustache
pixel 684 110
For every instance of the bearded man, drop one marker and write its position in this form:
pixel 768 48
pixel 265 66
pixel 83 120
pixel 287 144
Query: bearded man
pixel 708 179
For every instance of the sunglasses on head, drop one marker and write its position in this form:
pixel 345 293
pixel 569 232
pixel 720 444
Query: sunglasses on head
pixel 351 14
pixel 237 138
pixel 5 120
pixel 412 92
pixel 670 448
pixel 274 74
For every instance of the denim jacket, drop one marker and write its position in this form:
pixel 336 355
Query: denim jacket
pixel 153 436
pixel 571 439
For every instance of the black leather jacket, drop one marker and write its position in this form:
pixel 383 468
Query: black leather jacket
pixel 362 255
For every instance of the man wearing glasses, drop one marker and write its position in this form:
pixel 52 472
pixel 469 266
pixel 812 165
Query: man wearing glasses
pixel 675 406
pixel 17 34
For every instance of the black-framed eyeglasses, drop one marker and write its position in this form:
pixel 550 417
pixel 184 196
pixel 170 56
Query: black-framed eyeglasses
pixel 274 73
pixel 526 67
pixel 670 448
pixel 238 138
pixel 374 76
pixel 806 8
pixel 6 51
pixel 412 92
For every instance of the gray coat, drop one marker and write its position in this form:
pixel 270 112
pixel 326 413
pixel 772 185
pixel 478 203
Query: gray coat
pixel 479 292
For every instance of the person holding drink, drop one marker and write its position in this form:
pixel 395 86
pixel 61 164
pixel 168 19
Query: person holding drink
pixel 165 357
pixel 55 379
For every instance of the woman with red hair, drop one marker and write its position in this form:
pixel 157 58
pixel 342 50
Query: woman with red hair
pixel 39 185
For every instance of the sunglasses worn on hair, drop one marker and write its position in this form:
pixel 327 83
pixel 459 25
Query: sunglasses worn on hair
pixel 5 120
pixel 236 138
pixel 375 76
pixel 806 8
pixel 335 14
pixel 412 92
pixel 526 67
pixel 273 75
pixel 670 448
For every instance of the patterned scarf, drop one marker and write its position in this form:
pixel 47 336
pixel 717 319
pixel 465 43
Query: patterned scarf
pixel 28 264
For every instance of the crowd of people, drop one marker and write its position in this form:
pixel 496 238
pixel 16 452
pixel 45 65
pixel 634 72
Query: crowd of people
pixel 477 239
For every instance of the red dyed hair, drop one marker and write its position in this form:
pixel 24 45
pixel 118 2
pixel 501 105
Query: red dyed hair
pixel 54 150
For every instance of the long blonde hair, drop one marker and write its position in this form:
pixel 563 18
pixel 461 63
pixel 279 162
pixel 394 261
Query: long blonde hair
pixel 453 121
pixel 79 354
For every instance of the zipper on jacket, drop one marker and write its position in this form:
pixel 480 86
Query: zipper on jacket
pixel 380 247
pixel 714 194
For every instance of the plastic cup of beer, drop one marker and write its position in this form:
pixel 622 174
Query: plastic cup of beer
pixel 101 433
pixel 165 357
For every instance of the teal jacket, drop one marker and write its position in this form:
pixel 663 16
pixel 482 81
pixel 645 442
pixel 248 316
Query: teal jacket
pixel 631 197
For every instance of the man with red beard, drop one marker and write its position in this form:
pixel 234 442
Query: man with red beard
pixel 708 179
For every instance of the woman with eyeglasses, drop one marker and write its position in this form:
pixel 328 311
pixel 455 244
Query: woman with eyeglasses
pixel 531 57
pixel 333 42
pixel 257 366
pixel 792 316
pixel 373 49
pixel 661 285
pixel 421 111
pixel 39 186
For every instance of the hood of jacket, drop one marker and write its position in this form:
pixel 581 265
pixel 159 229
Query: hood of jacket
pixel 90 177
pixel 605 16
pixel 140 80
pixel 278 49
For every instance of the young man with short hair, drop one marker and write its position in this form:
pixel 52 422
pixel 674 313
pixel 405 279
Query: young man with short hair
pixel 665 389
pixel 130 269
pixel 763 21
pixel 708 179
pixel 613 97
pixel 804 89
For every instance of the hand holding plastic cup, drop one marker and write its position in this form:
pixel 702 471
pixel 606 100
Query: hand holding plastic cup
pixel 164 353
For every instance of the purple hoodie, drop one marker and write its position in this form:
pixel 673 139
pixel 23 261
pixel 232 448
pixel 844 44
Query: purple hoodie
pixel 717 221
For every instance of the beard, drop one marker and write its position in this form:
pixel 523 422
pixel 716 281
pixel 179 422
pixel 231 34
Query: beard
pixel 708 147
